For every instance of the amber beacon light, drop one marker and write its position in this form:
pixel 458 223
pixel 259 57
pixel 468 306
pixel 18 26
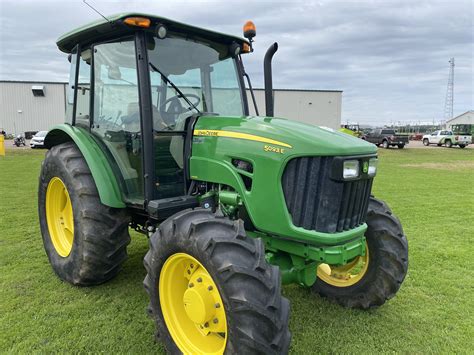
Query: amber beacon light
pixel 138 21
pixel 249 30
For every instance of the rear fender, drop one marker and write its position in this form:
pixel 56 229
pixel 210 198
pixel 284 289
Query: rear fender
pixel 104 177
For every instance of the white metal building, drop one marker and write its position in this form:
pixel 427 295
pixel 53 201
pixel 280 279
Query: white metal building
pixel 31 106
pixel 465 118
pixel 318 107
pixel 34 106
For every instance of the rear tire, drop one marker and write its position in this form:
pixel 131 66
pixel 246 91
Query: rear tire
pixel 401 146
pixel 98 235
pixel 256 315
pixel 426 142
pixel 462 146
pixel 387 263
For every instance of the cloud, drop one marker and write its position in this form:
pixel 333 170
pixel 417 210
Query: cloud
pixel 389 57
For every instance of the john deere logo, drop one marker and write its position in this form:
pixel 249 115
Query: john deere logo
pixel 365 167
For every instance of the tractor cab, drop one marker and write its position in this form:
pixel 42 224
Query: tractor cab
pixel 140 81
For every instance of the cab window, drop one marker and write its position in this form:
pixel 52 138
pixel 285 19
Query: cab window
pixel 83 89
pixel 116 119
pixel 80 91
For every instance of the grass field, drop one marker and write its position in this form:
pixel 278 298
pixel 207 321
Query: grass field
pixel 431 190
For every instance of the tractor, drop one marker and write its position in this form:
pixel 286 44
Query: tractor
pixel 158 138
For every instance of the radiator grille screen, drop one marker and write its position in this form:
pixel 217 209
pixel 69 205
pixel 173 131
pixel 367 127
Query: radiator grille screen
pixel 315 202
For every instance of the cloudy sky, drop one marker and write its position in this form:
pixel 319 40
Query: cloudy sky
pixel 389 57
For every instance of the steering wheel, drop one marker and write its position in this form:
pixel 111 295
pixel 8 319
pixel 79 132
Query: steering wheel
pixel 175 107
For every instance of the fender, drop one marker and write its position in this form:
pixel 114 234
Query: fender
pixel 102 173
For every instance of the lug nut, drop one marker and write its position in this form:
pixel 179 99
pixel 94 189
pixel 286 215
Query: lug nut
pixel 206 325
pixel 189 272
pixel 217 305
pixel 210 288
pixel 191 285
pixel 192 265
pixel 199 280
pixel 215 321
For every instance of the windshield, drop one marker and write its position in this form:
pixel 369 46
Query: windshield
pixel 41 134
pixel 188 76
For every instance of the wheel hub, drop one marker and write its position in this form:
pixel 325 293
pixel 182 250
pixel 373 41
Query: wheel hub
pixel 198 304
pixel 345 275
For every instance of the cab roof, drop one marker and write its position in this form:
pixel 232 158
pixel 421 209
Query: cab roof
pixel 102 30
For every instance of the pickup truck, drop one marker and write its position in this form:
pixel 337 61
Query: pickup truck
pixel 386 137
pixel 448 138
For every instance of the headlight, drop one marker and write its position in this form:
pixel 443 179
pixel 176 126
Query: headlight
pixel 373 162
pixel 351 169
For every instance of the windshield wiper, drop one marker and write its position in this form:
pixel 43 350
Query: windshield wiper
pixel 180 93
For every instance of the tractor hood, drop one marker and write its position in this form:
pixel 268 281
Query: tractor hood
pixel 281 135
pixel 250 155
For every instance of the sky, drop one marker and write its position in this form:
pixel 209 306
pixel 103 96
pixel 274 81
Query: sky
pixel 390 58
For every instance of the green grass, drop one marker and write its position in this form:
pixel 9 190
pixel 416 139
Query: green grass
pixel 431 190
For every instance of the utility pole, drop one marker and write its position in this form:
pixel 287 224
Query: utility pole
pixel 448 104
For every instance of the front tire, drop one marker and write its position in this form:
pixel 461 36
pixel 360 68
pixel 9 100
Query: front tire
pixel 449 144
pixel 426 142
pixel 383 268
pixel 85 240
pixel 211 290
pixel 385 144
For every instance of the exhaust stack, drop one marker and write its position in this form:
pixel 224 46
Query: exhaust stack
pixel 267 72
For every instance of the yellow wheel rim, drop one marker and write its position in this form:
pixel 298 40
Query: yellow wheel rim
pixel 59 216
pixel 192 306
pixel 345 275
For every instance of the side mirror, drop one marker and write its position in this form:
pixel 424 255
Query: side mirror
pixel 234 49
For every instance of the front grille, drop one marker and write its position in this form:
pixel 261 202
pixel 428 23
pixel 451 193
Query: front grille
pixel 316 202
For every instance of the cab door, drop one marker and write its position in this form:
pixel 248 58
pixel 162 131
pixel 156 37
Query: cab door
pixel 116 112
pixel 434 138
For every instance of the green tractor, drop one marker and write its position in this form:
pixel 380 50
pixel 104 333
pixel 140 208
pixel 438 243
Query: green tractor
pixel 158 138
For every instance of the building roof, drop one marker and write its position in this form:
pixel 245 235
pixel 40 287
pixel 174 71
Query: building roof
pixel 33 82
pixel 462 114
pixel 113 26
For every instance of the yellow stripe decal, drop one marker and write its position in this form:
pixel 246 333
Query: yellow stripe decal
pixel 230 134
